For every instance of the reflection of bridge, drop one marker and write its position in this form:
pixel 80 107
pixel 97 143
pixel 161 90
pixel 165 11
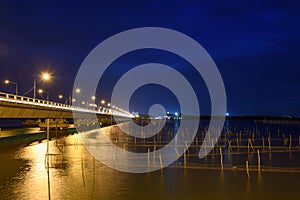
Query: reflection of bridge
pixel 21 107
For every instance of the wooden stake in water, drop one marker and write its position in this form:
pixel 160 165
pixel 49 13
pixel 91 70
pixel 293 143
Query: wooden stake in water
pixel 258 160
pixel 247 168
pixel 249 142
pixel 186 146
pixel 205 148
pixel 240 135
pixel 154 151
pixel 148 159
pixel 269 140
pixel 184 157
pixel 291 140
pixel 263 143
pixel 248 146
pixel 161 164
pixel 177 154
pixel 221 158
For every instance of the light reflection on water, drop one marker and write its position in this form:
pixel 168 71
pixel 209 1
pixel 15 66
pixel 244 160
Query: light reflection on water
pixel 19 131
pixel 24 176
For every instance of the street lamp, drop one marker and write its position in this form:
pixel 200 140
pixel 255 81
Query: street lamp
pixel 62 96
pixel 44 76
pixel 10 82
pixel 40 91
pixel 110 112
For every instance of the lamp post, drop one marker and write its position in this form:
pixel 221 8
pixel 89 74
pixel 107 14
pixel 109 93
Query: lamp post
pixel 62 96
pixel 14 83
pixel 40 91
pixel 110 109
pixel 102 103
pixel 45 76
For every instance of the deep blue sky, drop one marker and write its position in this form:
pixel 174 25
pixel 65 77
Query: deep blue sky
pixel 255 45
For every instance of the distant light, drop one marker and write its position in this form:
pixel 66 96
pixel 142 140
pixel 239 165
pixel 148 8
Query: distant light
pixel 93 97
pixel 77 90
pixel 60 96
pixel 227 114
pixel 6 81
pixel 108 104
pixel 176 113
pixel 40 91
pixel 168 112
pixel 102 102
pixel 83 102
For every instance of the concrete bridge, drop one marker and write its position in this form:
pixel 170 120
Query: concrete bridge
pixel 21 107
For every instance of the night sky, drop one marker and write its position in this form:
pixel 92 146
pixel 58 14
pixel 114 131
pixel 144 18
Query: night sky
pixel 255 45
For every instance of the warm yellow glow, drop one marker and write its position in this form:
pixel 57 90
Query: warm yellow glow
pixel 46 76
pixel 108 104
pixel 93 97
pixel 102 102
pixel 60 96
pixel 40 91
pixel 6 81
pixel 77 90
pixel 73 100
pixel 83 102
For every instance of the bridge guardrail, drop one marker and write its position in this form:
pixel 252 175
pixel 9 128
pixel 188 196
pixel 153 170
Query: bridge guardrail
pixel 12 98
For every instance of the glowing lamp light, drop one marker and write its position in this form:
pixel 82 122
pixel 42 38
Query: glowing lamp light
pixel 46 76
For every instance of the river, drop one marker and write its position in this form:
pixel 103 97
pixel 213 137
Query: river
pixel 77 175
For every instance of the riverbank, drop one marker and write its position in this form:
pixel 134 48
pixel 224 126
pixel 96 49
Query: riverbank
pixel 18 137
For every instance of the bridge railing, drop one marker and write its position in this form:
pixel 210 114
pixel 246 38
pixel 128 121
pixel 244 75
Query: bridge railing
pixel 6 97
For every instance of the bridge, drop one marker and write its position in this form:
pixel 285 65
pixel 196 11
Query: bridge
pixel 22 107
